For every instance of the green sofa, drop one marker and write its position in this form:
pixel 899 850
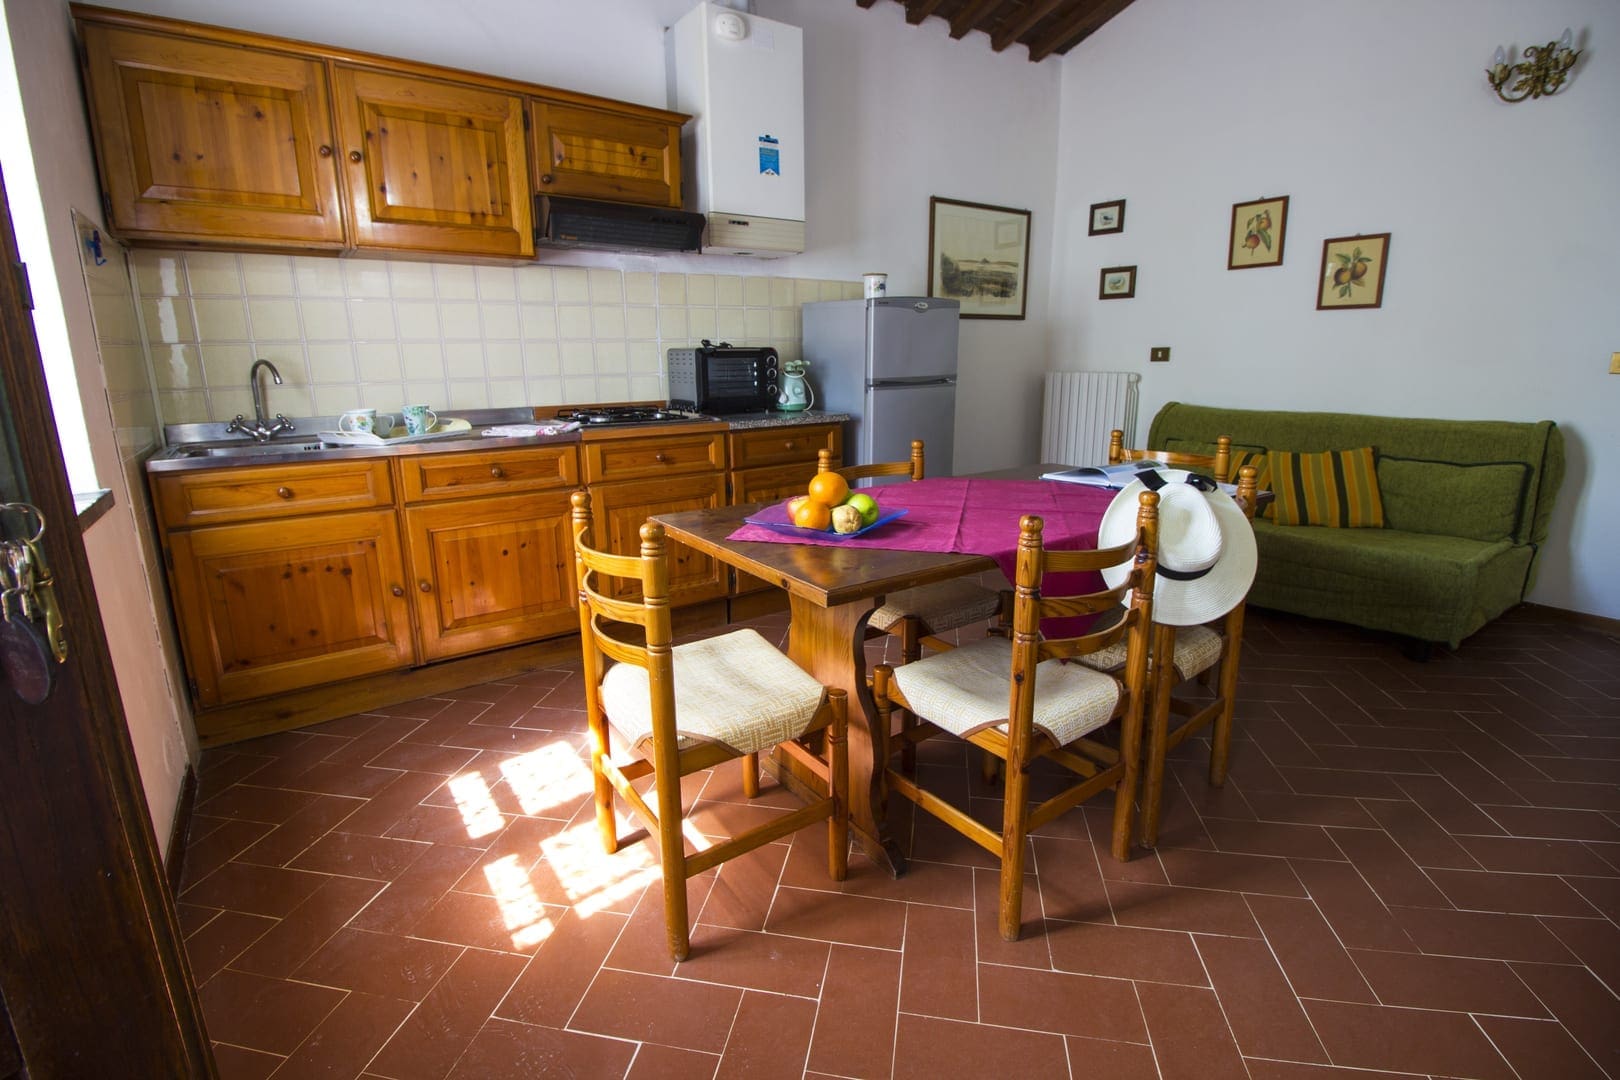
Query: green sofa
pixel 1466 507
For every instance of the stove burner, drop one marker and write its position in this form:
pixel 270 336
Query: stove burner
pixel 626 414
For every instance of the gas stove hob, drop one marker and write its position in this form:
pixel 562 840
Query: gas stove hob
pixel 619 415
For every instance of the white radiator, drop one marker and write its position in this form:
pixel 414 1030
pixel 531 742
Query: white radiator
pixel 1082 407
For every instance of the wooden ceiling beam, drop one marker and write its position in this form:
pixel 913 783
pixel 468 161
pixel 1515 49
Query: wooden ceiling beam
pixel 970 15
pixel 918 10
pixel 1083 23
pixel 1011 32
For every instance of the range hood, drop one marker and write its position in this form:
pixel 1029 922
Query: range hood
pixel 586 223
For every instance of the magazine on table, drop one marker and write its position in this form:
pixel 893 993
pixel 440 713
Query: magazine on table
pixel 1113 477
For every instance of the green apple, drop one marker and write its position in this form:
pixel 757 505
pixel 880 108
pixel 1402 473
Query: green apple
pixel 867 505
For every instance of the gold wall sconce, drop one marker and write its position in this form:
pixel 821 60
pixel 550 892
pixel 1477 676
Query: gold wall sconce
pixel 1539 74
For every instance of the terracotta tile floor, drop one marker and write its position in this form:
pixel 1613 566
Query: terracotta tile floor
pixel 1414 870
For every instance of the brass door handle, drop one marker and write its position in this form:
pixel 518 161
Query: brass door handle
pixel 497 472
pixel 397 590
pixel 354 156
pixel 324 151
pixel 660 458
pixel 425 586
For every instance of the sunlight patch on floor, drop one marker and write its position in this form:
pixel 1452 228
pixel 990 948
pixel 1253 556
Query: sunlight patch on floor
pixel 478 810
pixel 546 778
pixel 520 906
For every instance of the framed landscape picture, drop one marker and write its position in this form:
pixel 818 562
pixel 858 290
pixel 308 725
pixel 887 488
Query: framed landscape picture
pixel 1107 217
pixel 1257 233
pixel 978 255
pixel 1116 283
pixel 1352 272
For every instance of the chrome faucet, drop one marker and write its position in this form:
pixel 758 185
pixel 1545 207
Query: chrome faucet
pixel 261 428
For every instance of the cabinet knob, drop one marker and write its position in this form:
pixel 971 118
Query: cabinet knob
pixel 324 151
pixel 790 445
pixel 545 178
pixel 398 590
pixel 354 156
pixel 660 457
pixel 496 471
pixel 425 586
pixel 284 492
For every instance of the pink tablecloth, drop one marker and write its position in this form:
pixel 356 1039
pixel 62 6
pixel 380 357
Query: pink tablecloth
pixel 971 516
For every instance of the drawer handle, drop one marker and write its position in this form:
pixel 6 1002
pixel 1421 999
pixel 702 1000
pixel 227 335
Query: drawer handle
pixel 325 151
pixel 790 445
pixel 354 156
pixel 497 472
pixel 660 457
pixel 425 585
pixel 284 492
pixel 545 178
pixel 398 590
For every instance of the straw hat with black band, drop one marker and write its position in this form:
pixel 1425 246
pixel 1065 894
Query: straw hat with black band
pixel 1207 555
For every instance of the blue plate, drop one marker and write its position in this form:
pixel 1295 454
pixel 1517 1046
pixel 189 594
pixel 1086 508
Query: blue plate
pixel 822 534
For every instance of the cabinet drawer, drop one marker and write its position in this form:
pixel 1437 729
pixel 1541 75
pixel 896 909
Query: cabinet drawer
pixel 453 476
pixel 654 456
pixel 782 446
pixel 213 496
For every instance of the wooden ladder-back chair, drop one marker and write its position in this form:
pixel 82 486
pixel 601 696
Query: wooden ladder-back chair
pixel 1208 654
pixel 1219 466
pixel 1020 699
pixel 689 707
pixel 916 616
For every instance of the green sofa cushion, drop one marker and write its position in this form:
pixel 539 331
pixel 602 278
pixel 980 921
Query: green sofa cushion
pixel 1483 501
pixel 1436 588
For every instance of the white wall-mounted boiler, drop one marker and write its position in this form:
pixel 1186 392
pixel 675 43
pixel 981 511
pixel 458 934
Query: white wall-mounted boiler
pixel 741 78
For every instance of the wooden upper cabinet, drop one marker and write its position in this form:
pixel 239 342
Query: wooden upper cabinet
pixel 432 165
pixel 204 141
pixel 592 153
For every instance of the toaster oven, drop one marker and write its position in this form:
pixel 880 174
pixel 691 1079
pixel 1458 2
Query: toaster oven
pixel 720 379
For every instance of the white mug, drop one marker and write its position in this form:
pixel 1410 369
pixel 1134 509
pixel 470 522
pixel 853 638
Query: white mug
pixel 876 285
pixel 419 419
pixel 365 422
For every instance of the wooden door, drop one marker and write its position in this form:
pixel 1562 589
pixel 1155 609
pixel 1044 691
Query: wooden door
pixel 619 511
pixel 207 142
pixel 271 606
pixel 490 572
pixel 93 978
pixel 601 154
pixel 433 166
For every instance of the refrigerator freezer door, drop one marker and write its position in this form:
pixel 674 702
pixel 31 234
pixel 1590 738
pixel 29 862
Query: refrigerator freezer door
pixel 897 414
pixel 911 337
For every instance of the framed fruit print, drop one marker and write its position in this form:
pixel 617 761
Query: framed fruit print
pixel 1258 229
pixel 1352 272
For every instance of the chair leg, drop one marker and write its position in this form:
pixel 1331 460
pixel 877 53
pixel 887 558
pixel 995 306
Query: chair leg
pixel 1014 827
pixel 1158 734
pixel 910 652
pixel 838 786
pixel 750 775
pixel 910 640
pixel 672 850
pixel 881 739
pixel 1220 745
pixel 603 787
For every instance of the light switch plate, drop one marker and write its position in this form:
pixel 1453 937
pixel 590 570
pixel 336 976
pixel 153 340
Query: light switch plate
pixel 1161 354
pixel 1614 363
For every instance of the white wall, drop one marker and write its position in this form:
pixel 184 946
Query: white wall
pixel 1373 117
pixel 894 114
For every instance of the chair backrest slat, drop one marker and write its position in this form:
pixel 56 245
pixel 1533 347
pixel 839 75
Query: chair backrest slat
pixel 1219 464
pixel 912 468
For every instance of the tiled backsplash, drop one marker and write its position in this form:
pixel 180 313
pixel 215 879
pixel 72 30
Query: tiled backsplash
pixel 369 332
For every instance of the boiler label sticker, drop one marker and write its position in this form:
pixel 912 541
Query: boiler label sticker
pixel 770 156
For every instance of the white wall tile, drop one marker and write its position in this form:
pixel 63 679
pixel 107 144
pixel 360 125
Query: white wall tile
pixel 534 284
pixel 417 320
pixel 379 361
pixel 506 393
pixel 573 321
pixel 177 367
pixel 455 282
pixel 159 273
pixel 332 362
pixel 728 291
pixel 460 358
pixel 220 318
pixel 267 275
pixel 607 322
pixel 729 325
pixel 500 321
pixel 410 280
pixel 496 283
pixel 426 359
pixel 274 320
pixel 606 287
pixel 641 322
pixel 578 358
pixel 501 359
pixel 213 273
pixel 756 292
pixel 459 321
pixel 538 321
pixel 365 279
pixel 671 290
pixel 168 319
pixel 541 358
pixel 372 320
pixel 639 288
pixel 317 277
pixel 571 284
pixel 701 323
pixel 325 320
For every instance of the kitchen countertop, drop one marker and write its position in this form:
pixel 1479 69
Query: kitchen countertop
pixel 302 444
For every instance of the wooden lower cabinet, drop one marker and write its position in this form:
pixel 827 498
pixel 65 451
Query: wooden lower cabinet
pixel 490 572
pixel 270 606
pixel 619 510
pixel 772 464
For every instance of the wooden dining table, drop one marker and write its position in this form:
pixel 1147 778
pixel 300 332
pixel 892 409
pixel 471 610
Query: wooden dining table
pixel 832 592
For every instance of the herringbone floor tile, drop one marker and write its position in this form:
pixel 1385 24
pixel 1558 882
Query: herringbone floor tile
pixel 1413 870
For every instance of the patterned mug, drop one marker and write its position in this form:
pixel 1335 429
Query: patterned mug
pixel 365 422
pixel 419 419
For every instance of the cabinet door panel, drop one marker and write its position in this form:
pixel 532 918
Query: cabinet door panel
pixel 766 486
pixel 199 140
pixel 596 154
pixel 490 572
pixel 434 166
pixel 619 511
pixel 275 606
pixel 782 446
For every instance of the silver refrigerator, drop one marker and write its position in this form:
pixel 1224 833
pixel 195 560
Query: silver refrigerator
pixel 891 364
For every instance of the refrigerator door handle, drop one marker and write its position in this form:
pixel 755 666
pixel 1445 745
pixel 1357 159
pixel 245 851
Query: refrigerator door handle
pixel 944 380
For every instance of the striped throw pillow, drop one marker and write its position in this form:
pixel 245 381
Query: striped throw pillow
pixel 1260 459
pixel 1336 488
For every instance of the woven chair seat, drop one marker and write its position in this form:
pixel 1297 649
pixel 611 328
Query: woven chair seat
pixel 941 607
pixel 1197 650
pixel 737 689
pixel 965 690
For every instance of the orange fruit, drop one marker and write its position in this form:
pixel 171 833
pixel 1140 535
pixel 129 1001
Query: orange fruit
pixel 829 488
pixel 813 514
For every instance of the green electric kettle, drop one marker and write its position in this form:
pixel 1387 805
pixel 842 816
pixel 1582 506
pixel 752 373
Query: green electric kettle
pixel 795 395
